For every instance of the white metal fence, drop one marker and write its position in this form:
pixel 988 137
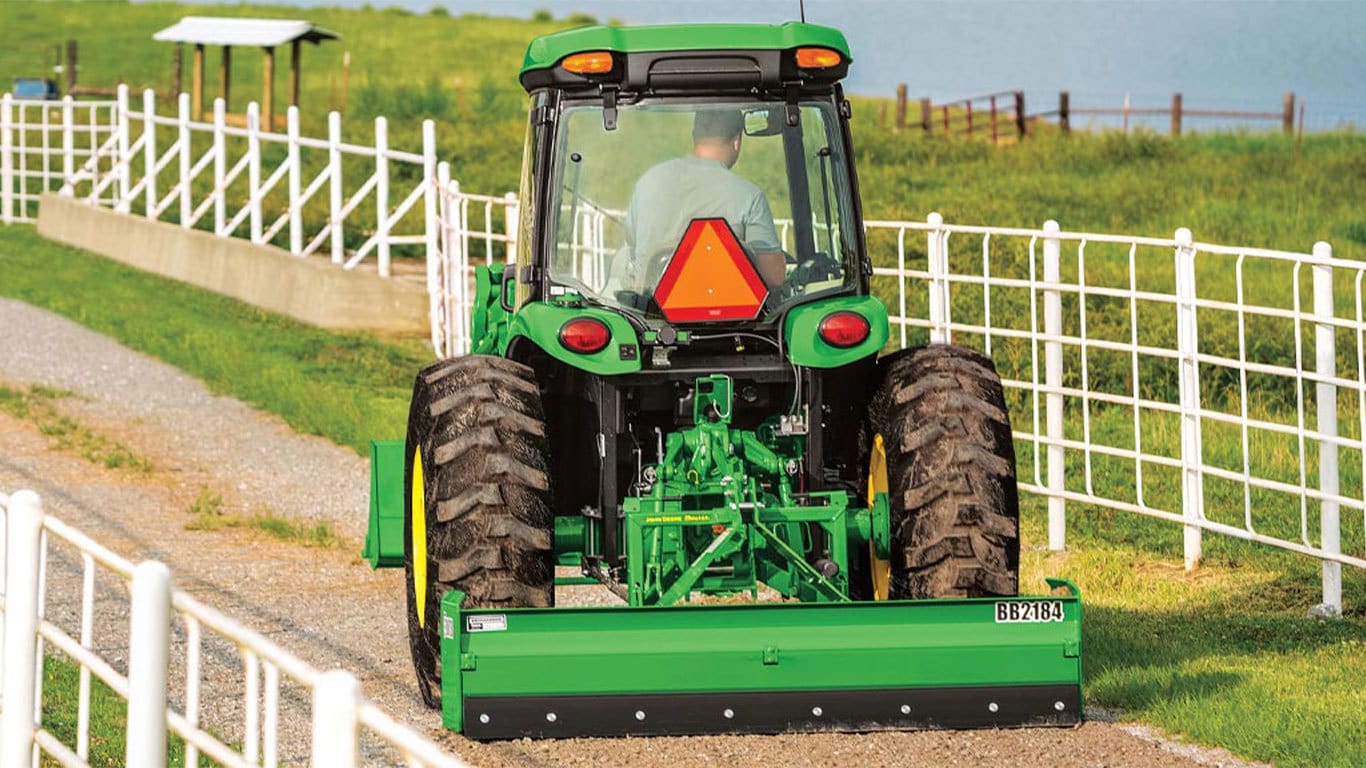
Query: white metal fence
pixel 339 717
pixel 1218 387
pixel 50 145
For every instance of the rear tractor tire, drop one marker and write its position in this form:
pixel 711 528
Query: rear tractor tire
pixel 950 475
pixel 476 499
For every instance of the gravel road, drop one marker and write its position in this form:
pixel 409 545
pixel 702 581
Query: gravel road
pixel 326 605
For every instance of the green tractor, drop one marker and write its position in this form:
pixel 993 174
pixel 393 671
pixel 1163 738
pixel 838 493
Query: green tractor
pixel 677 392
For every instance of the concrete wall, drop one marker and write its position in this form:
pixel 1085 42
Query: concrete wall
pixel 309 289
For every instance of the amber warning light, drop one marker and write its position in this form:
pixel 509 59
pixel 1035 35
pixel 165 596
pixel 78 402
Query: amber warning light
pixel 817 58
pixel 589 63
pixel 710 278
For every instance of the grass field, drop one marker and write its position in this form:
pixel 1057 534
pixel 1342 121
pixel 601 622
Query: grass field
pixel 1222 655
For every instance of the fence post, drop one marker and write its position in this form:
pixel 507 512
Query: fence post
pixel 334 191
pixel 512 225
pixel 123 163
pixel 183 124
pixel 296 223
pixel 450 320
pixel 6 161
pixel 430 229
pixel 68 147
pixel 1288 114
pixel 926 115
pixel 1176 115
pixel 939 311
pixel 149 152
pixel 336 701
pixel 1188 382
pixel 149 636
pixel 254 170
pixel 1065 112
pixel 23 536
pixel 220 167
pixel 1053 399
pixel 382 195
pixel 1020 123
pixel 900 107
pixel 1325 349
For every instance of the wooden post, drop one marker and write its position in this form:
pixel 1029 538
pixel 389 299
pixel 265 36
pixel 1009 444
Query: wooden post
pixel 225 78
pixel 1288 114
pixel 294 73
pixel 993 119
pixel 1020 126
pixel 197 81
pixel 967 105
pixel 945 109
pixel 268 86
pixel 900 106
pixel 178 59
pixel 925 115
pixel 1176 115
pixel 1064 113
pixel 70 66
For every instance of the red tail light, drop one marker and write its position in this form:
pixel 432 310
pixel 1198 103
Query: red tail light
pixel 584 335
pixel 844 329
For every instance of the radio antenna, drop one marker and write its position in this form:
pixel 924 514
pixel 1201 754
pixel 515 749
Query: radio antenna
pixel 801 9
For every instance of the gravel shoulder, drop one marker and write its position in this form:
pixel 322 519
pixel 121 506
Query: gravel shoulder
pixel 326 605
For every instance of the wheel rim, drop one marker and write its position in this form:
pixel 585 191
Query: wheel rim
pixel 881 569
pixel 419 528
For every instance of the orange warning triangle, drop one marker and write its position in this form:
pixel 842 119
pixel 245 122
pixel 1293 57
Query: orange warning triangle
pixel 709 277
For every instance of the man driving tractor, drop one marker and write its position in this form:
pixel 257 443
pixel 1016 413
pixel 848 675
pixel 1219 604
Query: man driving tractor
pixel 700 185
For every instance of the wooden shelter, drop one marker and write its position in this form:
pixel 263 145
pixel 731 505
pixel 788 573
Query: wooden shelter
pixel 266 34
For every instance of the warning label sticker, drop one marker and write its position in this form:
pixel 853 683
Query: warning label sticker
pixel 496 622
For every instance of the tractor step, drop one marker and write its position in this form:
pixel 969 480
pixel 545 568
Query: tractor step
pixel 762 668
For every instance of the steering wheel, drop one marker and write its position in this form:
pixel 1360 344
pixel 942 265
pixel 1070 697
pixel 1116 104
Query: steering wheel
pixel 817 268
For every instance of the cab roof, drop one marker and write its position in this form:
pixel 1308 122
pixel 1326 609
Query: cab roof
pixel 548 50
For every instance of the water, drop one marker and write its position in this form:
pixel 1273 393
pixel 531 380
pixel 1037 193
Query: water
pixel 1240 55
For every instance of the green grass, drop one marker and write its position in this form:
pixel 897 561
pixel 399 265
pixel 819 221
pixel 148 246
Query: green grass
pixel 348 388
pixel 36 404
pixel 108 716
pixel 208 513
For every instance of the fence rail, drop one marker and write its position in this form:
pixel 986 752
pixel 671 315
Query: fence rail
pixel 338 714
pixel 1177 112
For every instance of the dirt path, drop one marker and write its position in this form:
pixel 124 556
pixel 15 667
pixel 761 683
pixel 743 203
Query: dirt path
pixel 326 605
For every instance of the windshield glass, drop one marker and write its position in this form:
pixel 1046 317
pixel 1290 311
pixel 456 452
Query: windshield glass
pixel 624 198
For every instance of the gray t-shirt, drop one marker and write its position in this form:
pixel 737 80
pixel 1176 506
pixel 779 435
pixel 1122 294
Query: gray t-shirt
pixel 673 193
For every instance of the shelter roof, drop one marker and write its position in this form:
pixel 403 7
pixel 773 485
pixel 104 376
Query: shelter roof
pixel 265 33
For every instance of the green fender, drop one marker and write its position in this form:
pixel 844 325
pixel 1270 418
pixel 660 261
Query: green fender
pixel 805 346
pixel 540 323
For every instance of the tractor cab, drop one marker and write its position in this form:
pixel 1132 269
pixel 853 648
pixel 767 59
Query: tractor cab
pixel 691 174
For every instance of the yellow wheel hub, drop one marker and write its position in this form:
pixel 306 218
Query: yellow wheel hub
pixel 877 483
pixel 419 506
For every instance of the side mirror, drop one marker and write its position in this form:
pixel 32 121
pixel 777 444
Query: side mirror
pixel 764 121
